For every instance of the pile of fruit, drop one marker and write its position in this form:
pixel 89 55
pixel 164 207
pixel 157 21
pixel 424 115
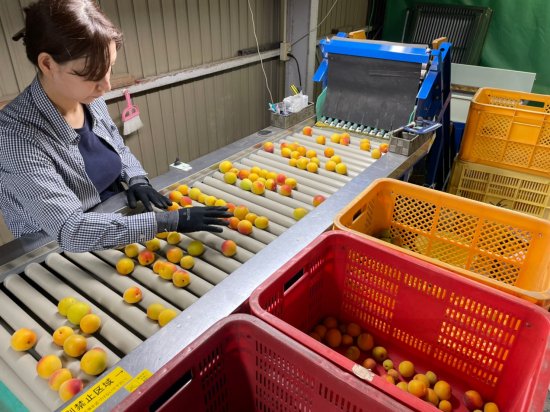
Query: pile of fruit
pixel 359 345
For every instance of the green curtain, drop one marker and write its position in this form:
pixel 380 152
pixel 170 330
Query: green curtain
pixel 518 37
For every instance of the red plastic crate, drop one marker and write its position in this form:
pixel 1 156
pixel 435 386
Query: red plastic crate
pixel 242 364
pixel 471 335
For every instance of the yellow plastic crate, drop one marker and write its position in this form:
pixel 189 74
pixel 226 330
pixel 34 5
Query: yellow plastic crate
pixel 504 249
pixel 508 129
pixel 522 192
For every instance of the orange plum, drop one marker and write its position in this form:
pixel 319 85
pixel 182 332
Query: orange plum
pixel 285 190
pixel 290 181
pixel 75 345
pixel 210 200
pixel 94 361
pixel 174 254
pixel 335 138
pixel 240 212
pixel 243 174
pixel 61 333
pixel 77 311
pixel 299 213
pixel 187 262
pixel 473 400
pixel 125 266
pixel 173 238
pixel 225 166
pixel 251 217
pixel 186 201
pixel 229 248
pixel 246 184
pixel 194 193
pixel 167 270
pixel 47 365
pixel 261 222
pixel 183 189
pixel 131 250
pixel 230 207
pixel 244 227
pixel 258 188
pixel 268 147
pixel 317 200
pixel 64 304
pixel 234 222
pixel 312 167
pixel 270 184
pixel 345 140
pixel 195 248
pixel 153 310
pixel 307 130
pixel 58 377
pixel 320 139
pixel 280 179
pixel 157 265
pixel 166 316
pixel 230 178
pixel 341 169
pixel 181 278
pixel 175 196
pixel 153 244
pixel 132 295
pixel 70 388
pixel 90 323
pixel 383 148
pixel 146 257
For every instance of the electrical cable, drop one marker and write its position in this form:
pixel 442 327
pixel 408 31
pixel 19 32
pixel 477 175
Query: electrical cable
pixel 297 67
pixel 311 31
pixel 371 14
pixel 259 54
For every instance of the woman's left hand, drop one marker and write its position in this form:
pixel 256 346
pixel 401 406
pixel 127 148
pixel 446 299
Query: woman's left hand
pixel 147 195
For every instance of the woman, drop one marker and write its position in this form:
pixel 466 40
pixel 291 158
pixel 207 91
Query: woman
pixel 61 152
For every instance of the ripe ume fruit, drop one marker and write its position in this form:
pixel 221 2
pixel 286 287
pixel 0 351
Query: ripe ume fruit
pixel 23 339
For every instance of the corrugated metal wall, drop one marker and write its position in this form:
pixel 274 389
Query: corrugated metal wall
pixel 193 118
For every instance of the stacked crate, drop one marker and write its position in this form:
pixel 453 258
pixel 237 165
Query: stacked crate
pixel 505 154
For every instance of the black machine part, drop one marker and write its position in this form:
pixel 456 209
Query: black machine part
pixel 371 92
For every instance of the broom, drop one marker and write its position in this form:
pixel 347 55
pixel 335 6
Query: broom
pixel 130 116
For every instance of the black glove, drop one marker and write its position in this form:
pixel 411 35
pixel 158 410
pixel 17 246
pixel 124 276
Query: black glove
pixel 147 195
pixel 193 219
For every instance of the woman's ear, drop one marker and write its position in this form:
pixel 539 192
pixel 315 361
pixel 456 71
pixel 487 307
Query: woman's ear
pixel 46 63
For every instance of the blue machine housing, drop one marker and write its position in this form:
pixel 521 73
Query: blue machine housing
pixel 433 97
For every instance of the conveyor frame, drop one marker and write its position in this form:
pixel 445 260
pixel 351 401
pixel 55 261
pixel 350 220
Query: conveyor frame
pixel 231 294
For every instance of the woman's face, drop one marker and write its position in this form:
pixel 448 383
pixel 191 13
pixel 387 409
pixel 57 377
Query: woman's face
pixel 77 88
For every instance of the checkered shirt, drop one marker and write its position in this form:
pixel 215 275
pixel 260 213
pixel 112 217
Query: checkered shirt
pixel 43 182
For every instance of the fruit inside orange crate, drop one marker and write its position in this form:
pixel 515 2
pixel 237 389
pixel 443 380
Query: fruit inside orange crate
pixel 472 336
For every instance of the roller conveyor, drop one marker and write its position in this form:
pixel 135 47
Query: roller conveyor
pixel 34 280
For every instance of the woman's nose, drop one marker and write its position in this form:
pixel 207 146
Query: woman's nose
pixel 105 84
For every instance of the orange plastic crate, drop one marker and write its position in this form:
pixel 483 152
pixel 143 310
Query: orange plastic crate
pixel 470 335
pixel 243 364
pixel 522 192
pixel 508 129
pixel 504 249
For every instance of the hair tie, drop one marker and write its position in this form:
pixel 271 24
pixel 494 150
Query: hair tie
pixel 19 35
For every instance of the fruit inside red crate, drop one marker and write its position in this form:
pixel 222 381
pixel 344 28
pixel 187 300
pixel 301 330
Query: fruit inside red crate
pixel 472 336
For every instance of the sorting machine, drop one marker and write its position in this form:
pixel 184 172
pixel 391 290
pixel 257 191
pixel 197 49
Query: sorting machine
pixel 35 273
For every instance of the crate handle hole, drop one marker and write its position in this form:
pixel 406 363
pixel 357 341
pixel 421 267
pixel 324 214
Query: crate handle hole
pixel 356 215
pixel 288 284
pixel 532 103
pixel 178 386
